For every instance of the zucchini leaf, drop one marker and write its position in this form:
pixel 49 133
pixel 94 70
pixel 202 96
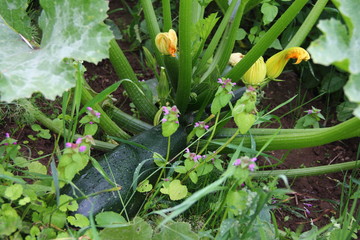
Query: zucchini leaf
pixel 339 45
pixel 70 30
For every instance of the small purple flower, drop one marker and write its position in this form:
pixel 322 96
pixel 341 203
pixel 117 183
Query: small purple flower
pixel 308 204
pixel 91 122
pixel 93 112
pixel 252 167
pixel 225 82
pixel 82 148
pixel 79 140
pixel 14 143
pixel 309 111
pixel 7 135
pixel 165 110
pixel 237 162
pixel 201 124
pixel 250 89
pixel 68 145
pixel 164 120
pixel 166 179
pixel 187 150
pixel 307 210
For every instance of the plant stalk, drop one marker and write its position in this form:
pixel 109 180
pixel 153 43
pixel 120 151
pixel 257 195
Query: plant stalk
pixel 134 88
pixel 309 171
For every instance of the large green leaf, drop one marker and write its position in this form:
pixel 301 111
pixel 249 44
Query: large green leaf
pixel 71 30
pixel 14 13
pixel 340 46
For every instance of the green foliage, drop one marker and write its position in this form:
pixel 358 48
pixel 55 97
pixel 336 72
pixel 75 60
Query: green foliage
pixel 136 229
pixel 345 37
pixel 109 218
pixel 174 189
pixel 65 35
pixel 176 231
pixel 311 120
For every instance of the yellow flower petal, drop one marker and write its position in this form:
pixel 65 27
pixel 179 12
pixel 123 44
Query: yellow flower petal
pixel 256 73
pixel 166 42
pixel 276 64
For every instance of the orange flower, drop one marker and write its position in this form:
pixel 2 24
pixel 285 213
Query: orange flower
pixel 275 65
pixel 166 42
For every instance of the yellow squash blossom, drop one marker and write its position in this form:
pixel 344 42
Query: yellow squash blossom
pixel 256 73
pixel 166 42
pixel 275 65
pixel 235 58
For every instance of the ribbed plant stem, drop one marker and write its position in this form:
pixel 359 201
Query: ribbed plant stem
pixel 166 15
pixel 153 27
pixel 345 130
pixel 259 49
pixel 309 171
pixel 124 71
pixel 308 24
pixel 185 62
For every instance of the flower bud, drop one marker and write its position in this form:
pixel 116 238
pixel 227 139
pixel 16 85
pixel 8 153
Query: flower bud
pixel 163 86
pixel 166 42
pixel 256 73
pixel 275 65
pixel 235 58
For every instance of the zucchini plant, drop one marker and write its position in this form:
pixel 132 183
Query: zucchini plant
pixel 196 85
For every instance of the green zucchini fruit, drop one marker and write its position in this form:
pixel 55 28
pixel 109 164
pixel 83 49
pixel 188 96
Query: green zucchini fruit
pixel 121 163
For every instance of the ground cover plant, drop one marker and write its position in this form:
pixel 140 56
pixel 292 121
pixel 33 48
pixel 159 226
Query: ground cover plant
pixel 192 160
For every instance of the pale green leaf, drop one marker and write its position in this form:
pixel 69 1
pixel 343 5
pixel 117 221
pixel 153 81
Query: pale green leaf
pixel 144 186
pixel 352 91
pixel 109 218
pixel 269 11
pixel 177 191
pixel 24 201
pixel 36 167
pixel 67 203
pixel 13 192
pixel 176 231
pixel 71 30
pixel 9 220
pixel 340 44
pixel 193 177
pixel 335 35
pixel 139 229
pixel 21 162
pixel 78 221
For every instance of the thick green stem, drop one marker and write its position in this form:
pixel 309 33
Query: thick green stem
pixel 259 49
pixel 134 89
pixel 228 132
pixel 309 171
pixel 125 120
pixel 308 24
pixel 166 15
pixel 309 138
pixel 185 61
pixel 153 27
